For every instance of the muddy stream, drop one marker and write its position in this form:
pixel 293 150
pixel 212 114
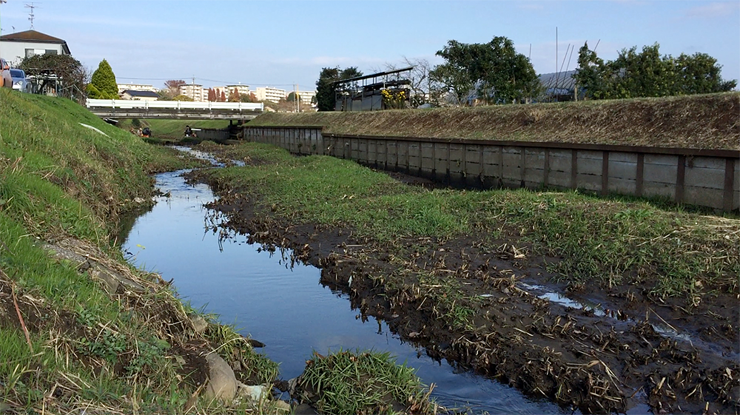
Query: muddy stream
pixel 281 303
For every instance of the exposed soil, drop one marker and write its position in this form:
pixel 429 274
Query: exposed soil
pixel 626 348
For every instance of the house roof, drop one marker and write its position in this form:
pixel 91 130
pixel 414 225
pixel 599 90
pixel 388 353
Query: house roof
pixel 142 94
pixel 559 80
pixel 36 37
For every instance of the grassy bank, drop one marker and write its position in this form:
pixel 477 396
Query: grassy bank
pixel 83 331
pixel 698 121
pixel 69 339
pixel 671 252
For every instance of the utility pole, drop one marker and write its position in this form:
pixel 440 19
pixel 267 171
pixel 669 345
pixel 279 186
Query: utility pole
pixel 297 99
pixel 1 2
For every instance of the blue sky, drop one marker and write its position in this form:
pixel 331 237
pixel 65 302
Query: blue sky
pixel 283 43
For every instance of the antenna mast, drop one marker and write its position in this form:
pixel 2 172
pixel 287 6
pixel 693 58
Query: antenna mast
pixel 31 15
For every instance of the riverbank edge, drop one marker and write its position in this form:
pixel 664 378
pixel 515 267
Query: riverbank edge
pixel 374 290
pixel 79 326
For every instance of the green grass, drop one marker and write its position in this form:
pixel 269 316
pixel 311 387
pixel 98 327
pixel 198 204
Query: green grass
pixel 610 241
pixel 60 179
pixel 361 382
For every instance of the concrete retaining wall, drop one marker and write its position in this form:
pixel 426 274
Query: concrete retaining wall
pixel 709 178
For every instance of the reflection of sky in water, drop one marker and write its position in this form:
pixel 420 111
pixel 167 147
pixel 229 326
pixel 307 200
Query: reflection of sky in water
pixel 285 308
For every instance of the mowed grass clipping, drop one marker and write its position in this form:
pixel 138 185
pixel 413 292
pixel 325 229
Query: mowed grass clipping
pixel 611 241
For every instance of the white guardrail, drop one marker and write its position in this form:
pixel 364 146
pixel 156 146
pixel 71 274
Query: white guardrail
pixel 175 105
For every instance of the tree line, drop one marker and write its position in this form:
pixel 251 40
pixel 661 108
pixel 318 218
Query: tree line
pixel 494 73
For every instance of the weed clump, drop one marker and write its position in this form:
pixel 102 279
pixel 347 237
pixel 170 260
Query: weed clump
pixel 361 383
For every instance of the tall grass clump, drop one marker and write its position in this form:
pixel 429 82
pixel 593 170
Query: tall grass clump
pixel 361 383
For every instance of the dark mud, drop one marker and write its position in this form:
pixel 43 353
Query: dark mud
pixel 601 350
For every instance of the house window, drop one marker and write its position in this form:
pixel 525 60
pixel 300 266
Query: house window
pixel 51 51
pixel 30 53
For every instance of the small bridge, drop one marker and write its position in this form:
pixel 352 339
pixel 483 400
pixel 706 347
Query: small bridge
pixel 123 108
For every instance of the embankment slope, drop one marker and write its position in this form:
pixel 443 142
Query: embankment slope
pixel 699 121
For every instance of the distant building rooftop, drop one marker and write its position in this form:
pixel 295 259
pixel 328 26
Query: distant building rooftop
pixel 140 94
pixel 34 36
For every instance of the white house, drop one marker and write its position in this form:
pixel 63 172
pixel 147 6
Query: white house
pixel 134 95
pixel 14 47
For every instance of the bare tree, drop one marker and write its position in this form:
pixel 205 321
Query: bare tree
pixel 420 82
pixel 171 88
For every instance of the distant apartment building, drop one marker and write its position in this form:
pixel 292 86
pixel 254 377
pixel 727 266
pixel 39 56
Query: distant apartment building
pixel 194 91
pixel 270 94
pixel 135 87
pixel 306 96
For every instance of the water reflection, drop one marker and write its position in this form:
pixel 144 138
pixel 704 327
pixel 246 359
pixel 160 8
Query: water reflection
pixel 269 296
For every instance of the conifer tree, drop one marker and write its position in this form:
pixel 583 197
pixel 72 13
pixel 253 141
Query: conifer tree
pixel 103 83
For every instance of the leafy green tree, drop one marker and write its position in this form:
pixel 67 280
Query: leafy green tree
pixel 700 74
pixel 325 89
pixel 103 83
pixel 502 75
pixel 292 97
pixel 455 75
pixel 325 97
pixel 591 73
pixel 494 71
pixel 648 74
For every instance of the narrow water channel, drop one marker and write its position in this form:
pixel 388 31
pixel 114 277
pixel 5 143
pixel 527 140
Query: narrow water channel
pixel 282 306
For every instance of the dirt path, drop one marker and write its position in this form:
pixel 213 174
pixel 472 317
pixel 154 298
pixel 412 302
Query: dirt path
pixel 494 309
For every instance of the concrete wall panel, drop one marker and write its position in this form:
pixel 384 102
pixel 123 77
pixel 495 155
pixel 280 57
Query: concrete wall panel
pixel 706 197
pixel 403 155
pixel 512 159
pixel 622 186
pixel 589 162
pixel 440 157
pixel 491 161
pixel 457 158
pixel 661 168
pixel 622 170
pixel 414 158
pixel 560 160
pixel 392 154
pixel 704 176
pixel 427 163
pixel 653 189
pixel 559 179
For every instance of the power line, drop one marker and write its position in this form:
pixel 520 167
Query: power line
pixel 201 79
